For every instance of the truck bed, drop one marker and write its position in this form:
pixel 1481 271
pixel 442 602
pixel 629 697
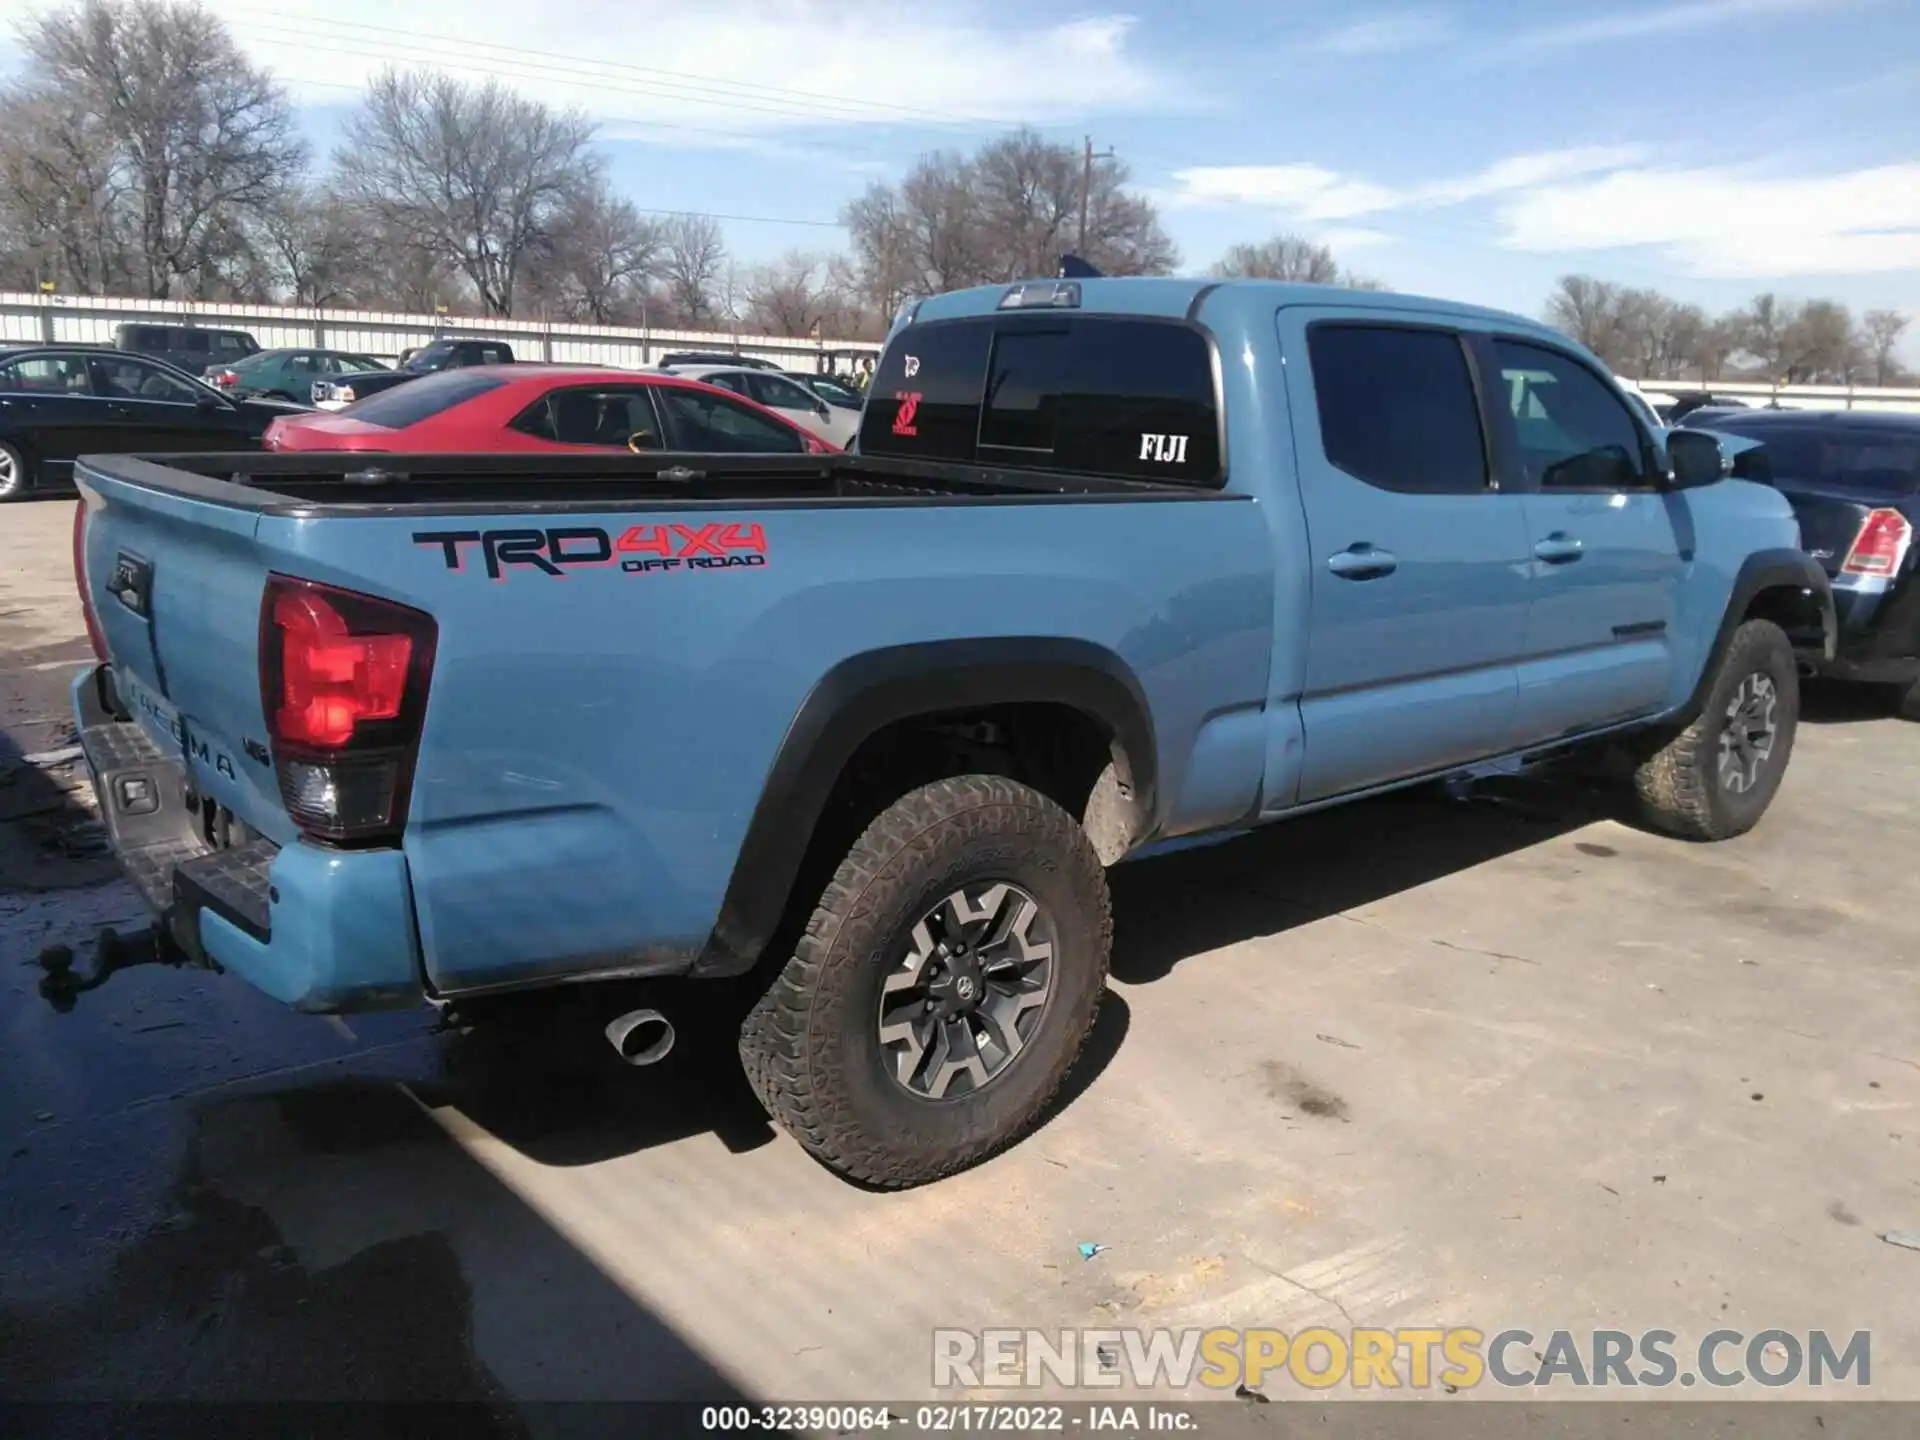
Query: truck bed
pixel 314 485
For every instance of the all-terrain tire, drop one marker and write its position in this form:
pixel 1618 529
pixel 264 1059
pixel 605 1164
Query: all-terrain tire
pixel 1684 786
pixel 811 1046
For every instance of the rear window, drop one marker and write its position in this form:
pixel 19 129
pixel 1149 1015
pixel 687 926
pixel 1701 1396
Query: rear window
pixel 1885 465
pixel 1097 395
pixel 422 399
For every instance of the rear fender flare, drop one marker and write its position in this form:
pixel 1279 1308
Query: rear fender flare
pixel 861 696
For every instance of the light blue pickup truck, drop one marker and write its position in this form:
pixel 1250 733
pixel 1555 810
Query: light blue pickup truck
pixel 1117 563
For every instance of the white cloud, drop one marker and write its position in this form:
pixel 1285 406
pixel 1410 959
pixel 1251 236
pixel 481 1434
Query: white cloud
pixel 1722 224
pixel 1345 238
pixel 1311 192
pixel 1613 23
pixel 1386 34
pixel 734 66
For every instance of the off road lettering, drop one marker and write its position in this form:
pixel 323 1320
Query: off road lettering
pixel 719 545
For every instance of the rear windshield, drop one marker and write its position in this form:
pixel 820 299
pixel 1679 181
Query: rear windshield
pixel 421 399
pixel 1128 397
pixel 1884 464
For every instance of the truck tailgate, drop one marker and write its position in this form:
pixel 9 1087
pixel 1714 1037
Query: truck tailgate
pixel 175 584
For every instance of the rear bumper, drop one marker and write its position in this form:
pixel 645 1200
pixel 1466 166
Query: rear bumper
pixel 320 930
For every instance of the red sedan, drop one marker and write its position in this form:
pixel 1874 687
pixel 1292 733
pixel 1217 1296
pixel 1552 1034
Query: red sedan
pixel 489 409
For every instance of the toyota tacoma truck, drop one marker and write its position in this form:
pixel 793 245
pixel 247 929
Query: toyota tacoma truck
pixel 1117 564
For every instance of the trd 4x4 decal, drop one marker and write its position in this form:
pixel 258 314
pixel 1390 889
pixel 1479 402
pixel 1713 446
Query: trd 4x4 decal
pixel 642 550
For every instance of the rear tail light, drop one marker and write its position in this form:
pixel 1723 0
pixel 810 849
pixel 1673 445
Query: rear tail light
pixel 226 379
pixel 94 637
pixel 343 683
pixel 341 393
pixel 1881 545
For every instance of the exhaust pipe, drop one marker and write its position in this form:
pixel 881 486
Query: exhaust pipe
pixel 641 1037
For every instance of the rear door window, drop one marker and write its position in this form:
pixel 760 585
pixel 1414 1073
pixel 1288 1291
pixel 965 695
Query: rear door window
pixel 1097 395
pixel 422 399
pixel 46 375
pixel 232 344
pixel 1397 408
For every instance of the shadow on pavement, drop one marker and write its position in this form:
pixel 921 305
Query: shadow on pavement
pixel 49 837
pixel 1839 702
pixel 1298 871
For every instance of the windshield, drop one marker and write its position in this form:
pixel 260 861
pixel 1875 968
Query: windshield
pixel 424 362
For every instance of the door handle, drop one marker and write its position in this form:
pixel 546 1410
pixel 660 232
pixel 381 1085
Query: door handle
pixel 1559 548
pixel 1362 562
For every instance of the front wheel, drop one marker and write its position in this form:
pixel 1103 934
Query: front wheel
pixel 1715 779
pixel 943 987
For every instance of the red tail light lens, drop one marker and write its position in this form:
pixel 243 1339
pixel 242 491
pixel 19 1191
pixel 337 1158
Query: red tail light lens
pixel 343 680
pixel 94 637
pixel 1880 546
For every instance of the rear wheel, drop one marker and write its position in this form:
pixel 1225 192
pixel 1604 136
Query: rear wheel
pixel 1715 779
pixel 943 986
pixel 16 472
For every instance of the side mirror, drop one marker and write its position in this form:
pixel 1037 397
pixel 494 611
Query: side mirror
pixel 1696 459
pixel 207 404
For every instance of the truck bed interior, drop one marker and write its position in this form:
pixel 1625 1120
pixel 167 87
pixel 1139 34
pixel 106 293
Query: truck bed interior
pixel 372 483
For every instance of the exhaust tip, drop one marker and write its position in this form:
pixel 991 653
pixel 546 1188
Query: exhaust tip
pixel 641 1037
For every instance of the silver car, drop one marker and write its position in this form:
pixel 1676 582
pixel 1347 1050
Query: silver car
pixel 831 423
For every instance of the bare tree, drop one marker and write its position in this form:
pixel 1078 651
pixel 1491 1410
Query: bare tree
pixel 1763 333
pixel 1008 211
pixel 692 261
pixel 151 138
pixel 793 295
pixel 1588 310
pixel 309 243
pixel 602 256
pixel 1289 257
pixel 472 174
pixel 1820 344
pixel 1880 332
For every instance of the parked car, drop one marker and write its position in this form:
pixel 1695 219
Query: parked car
pixel 192 348
pixel 834 424
pixel 531 409
pixel 344 390
pixel 1083 593
pixel 1853 479
pixel 60 402
pixel 1685 403
pixel 834 391
pixel 714 357
pixel 286 374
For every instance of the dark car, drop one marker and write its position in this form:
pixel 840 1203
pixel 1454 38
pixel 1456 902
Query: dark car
pixel 712 357
pixel 1853 478
pixel 286 374
pixel 191 348
pixel 430 359
pixel 61 402
pixel 1688 401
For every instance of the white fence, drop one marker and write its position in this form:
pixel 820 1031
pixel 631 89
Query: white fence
pixel 1788 397
pixel 90 320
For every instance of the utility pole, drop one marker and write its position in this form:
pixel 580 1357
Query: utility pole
pixel 1086 190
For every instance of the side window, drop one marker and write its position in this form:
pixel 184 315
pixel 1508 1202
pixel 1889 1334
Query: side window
pixel 491 355
pixel 1575 432
pixel 603 417
pixel 1397 408
pixel 736 383
pixel 302 365
pixel 193 342
pixel 536 420
pixel 46 375
pixel 707 422
pixel 231 344
pixel 779 394
pixel 123 379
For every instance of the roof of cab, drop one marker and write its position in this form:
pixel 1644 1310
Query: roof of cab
pixel 1142 295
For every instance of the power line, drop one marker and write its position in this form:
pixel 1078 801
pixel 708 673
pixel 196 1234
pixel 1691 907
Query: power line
pixel 690 81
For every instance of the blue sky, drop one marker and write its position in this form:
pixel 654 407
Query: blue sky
pixel 1477 149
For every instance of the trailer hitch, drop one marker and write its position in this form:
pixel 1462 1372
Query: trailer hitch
pixel 62 982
